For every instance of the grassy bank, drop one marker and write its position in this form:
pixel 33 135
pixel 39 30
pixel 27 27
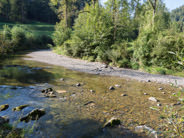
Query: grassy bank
pixel 37 28
pixel 20 37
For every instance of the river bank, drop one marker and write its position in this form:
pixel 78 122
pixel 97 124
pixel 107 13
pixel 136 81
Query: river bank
pixel 49 57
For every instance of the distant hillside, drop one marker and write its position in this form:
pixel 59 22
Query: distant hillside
pixel 178 14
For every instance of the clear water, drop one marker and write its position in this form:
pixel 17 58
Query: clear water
pixel 67 115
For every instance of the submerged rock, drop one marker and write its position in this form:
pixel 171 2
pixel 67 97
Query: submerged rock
pixel 33 115
pixel 49 92
pixel 19 108
pixel 143 129
pixel 3 120
pixel 153 99
pixel 112 122
pixel 4 107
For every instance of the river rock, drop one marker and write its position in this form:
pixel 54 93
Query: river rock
pixel 111 88
pixel 175 104
pixel 4 107
pixel 118 86
pixel 62 79
pixel 33 115
pixel 112 122
pixel 160 88
pixel 49 92
pixel 3 120
pixel 91 104
pixel 78 85
pixel 143 129
pixel 92 91
pixel 153 99
pixel 19 108
pixel 124 95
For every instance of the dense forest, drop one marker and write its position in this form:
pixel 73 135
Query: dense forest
pixel 26 11
pixel 121 33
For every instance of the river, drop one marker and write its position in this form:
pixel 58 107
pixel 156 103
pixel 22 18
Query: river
pixel 78 111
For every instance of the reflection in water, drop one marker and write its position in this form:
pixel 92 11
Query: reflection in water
pixel 68 115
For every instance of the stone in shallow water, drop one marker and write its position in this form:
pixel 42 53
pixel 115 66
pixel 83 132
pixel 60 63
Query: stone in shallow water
pixel 3 120
pixel 19 108
pixel 91 103
pixel 112 122
pixel 62 79
pixel 78 84
pixel 123 95
pixel 4 107
pixel 153 99
pixel 111 88
pixel 92 91
pixel 160 88
pixel 143 129
pixel 49 93
pixel 33 115
pixel 118 86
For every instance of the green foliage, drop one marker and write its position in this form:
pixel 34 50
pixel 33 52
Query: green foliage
pixel 61 34
pixel 124 34
pixel 17 39
pixel 25 10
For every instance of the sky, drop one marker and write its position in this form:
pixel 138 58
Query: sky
pixel 171 4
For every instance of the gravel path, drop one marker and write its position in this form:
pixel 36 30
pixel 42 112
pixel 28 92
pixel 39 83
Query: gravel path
pixel 47 56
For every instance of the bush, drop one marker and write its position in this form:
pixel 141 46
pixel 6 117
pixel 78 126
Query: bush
pixel 17 38
pixel 61 34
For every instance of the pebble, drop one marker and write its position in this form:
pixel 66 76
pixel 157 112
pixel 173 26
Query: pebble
pixel 146 94
pixel 160 88
pixel 92 91
pixel 111 88
pixel 78 84
pixel 118 86
pixel 124 95
pixel 153 99
pixel 62 79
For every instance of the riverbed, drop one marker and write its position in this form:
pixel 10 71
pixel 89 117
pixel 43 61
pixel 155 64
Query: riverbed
pixel 79 110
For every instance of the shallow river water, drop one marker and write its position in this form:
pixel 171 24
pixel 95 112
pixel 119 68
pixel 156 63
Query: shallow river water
pixel 69 114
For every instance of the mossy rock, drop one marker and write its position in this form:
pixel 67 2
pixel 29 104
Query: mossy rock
pixel 4 107
pixel 33 115
pixel 19 108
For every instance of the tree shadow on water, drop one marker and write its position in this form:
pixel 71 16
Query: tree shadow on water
pixel 25 74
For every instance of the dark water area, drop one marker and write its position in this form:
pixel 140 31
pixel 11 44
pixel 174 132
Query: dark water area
pixel 69 114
